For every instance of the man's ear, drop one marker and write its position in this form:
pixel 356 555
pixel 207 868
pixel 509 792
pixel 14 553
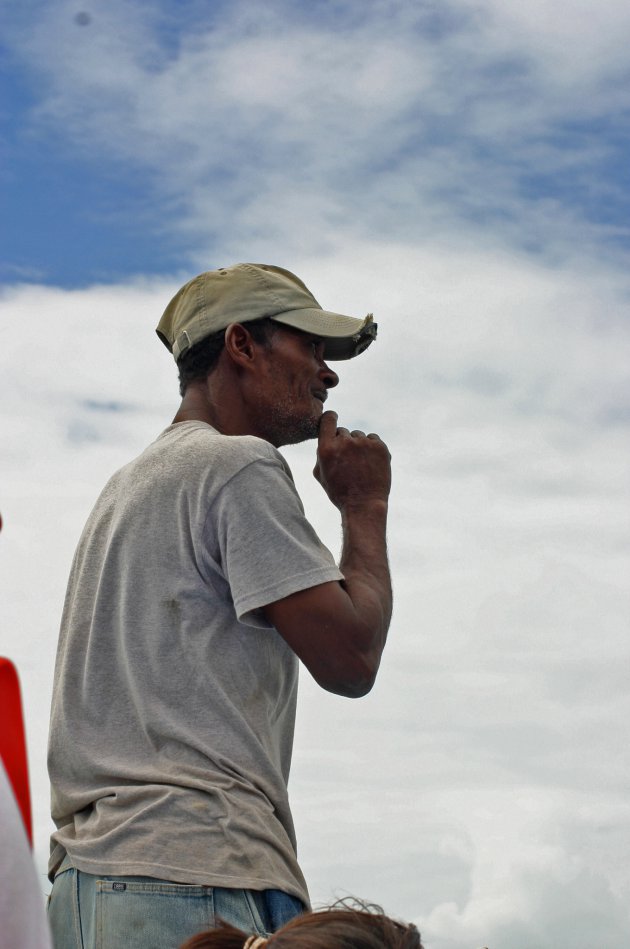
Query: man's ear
pixel 240 345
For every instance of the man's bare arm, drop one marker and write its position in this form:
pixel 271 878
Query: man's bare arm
pixel 338 630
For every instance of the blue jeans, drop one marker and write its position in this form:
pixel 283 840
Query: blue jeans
pixel 91 912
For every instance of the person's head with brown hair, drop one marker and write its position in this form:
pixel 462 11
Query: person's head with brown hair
pixel 340 927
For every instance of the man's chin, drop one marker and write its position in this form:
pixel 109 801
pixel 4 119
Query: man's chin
pixel 286 425
pixel 299 430
pixel 305 432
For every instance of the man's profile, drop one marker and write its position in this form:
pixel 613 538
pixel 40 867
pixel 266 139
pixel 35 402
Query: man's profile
pixel 196 586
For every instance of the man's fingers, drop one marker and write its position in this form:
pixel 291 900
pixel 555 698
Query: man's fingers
pixel 328 429
pixel 328 425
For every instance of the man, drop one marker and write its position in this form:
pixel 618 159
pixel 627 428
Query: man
pixel 196 586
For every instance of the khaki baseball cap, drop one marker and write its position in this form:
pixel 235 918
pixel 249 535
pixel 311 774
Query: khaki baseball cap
pixel 215 299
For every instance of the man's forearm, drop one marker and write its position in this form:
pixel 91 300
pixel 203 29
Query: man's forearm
pixel 367 579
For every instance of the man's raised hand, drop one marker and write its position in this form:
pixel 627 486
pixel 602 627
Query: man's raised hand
pixel 353 468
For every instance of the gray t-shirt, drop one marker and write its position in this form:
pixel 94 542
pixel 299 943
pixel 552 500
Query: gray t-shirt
pixel 174 699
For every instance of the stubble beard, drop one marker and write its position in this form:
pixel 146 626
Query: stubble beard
pixel 288 428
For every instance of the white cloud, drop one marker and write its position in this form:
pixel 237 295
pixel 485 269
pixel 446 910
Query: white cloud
pixel 577 41
pixel 404 120
pixel 531 885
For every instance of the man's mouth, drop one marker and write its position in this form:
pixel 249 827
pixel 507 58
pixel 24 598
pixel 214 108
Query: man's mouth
pixel 321 394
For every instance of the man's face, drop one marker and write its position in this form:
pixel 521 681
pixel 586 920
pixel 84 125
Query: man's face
pixel 292 387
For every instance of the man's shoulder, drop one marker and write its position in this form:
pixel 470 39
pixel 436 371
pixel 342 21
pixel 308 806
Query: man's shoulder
pixel 201 438
pixel 191 456
pixel 196 450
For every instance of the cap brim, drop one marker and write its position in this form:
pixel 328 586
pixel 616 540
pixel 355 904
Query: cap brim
pixel 345 336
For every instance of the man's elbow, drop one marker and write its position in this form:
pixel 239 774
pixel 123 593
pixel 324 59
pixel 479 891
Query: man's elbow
pixel 351 680
pixel 355 690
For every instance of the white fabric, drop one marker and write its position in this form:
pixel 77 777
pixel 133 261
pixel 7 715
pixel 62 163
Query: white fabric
pixel 23 922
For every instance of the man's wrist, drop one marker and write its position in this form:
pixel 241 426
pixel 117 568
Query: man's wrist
pixel 364 506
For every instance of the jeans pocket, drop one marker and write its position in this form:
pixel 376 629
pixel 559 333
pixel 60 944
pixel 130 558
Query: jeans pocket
pixel 147 914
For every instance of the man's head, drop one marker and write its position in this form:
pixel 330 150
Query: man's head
pixel 251 344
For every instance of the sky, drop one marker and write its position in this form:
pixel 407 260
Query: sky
pixel 461 170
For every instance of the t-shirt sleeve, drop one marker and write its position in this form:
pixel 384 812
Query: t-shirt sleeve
pixel 268 549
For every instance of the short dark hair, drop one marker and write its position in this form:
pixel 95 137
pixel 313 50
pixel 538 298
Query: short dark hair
pixel 198 362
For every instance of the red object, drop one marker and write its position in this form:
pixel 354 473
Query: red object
pixel 13 741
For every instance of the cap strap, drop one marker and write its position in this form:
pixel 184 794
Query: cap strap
pixel 255 942
pixel 181 344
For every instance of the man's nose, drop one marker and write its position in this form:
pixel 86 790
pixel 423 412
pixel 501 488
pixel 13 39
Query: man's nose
pixel 328 376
